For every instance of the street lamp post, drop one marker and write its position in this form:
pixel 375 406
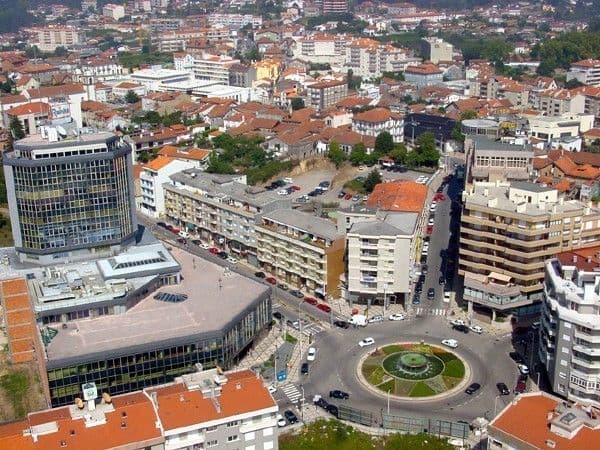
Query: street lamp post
pixel 385 298
pixel 495 405
pixel 388 401
pixel 302 404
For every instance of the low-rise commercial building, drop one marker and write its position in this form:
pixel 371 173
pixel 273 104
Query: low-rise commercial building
pixel 490 160
pixel 549 128
pixel 570 325
pixel 221 209
pixel 507 232
pixel 302 250
pixel 423 75
pixel 213 67
pixel 538 421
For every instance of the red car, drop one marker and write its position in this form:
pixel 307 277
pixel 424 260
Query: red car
pixel 429 229
pixel 439 197
pixel 324 307
pixel 312 301
pixel 295 188
pixel 520 387
pixel 348 197
pixel 271 280
pixel 214 250
pixel 174 230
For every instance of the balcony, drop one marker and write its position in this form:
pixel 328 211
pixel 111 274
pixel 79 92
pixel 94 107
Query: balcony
pixel 593 339
pixel 304 239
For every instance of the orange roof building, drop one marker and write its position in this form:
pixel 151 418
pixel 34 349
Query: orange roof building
pixel 19 320
pixel 398 196
pixel 204 407
pixel 541 421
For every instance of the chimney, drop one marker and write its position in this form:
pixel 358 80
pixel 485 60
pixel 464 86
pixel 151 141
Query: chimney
pixel 574 258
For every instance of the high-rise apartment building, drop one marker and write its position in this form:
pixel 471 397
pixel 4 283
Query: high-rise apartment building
pixel 507 232
pixel 326 93
pixel 69 194
pixel 436 50
pixel 586 72
pixel 570 325
pixel 334 6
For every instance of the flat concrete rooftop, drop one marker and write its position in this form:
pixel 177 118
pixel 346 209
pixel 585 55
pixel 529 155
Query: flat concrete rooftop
pixel 215 297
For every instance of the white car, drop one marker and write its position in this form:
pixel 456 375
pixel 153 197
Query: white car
pixel 431 221
pixel 396 316
pixel 446 297
pixel 476 329
pixel 272 389
pixel 366 341
pixel 523 369
pixel 281 421
pixel 288 180
pixel 452 343
pixel 433 207
pixel 232 260
pixel 283 192
pixel 312 354
pixel 204 245
pixel 457 322
pixel 376 319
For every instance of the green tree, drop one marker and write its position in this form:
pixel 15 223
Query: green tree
pixel 61 51
pixel 384 143
pixel 171 119
pixel 132 97
pixel 336 154
pixel 398 153
pixel 297 103
pixel 358 155
pixel 217 165
pixel 16 128
pixel 372 180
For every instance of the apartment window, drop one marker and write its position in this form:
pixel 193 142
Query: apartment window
pixel 212 443
pixel 232 438
pixel 250 436
pixel 562 375
pixel 232 423
pixel 567 325
pixel 565 350
pixel 563 363
pixel 566 337
pixel 209 429
pixel 268 445
pixel 268 432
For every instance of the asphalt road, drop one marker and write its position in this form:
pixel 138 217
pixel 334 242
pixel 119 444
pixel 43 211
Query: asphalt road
pixel 486 355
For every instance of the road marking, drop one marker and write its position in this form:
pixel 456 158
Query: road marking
pixel 430 311
pixel 291 392
pixel 312 330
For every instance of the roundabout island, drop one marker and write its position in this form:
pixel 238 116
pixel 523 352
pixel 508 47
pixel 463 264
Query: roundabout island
pixel 413 370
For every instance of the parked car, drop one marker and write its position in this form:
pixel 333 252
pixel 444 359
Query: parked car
pixel 457 322
pixel 320 401
pixel 348 197
pixel 416 300
pixel 341 324
pixel 502 388
pixel 272 389
pixel 366 341
pixel 161 224
pixel 356 198
pixel 312 354
pixel 452 343
pixel 232 260
pixel 283 286
pixel 442 280
pixel 214 250
pixel 271 280
pixel 339 394
pixel 376 319
pixel 473 387
pixel 476 329
pixel 311 301
pixel 523 369
pixel 461 328
pixel 342 194
pixel 259 275
pixel 324 307
pixel 223 255
pixel 281 421
pixel 431 294
pixel 181 240
pixel 304 368
pixel 396 317
pixel 277 315
pixel 297 293
pixel 520 387
pixel 290 417
pixel 446 297
pixel 429 230
pixel 293 323
pixel 333 410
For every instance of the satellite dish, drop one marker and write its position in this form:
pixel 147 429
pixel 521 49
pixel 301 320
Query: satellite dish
pixel 61 131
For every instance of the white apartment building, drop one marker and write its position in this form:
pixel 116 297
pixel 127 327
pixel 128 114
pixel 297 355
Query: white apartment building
pixel 93 72
pixel 554 102
pixel 322 48
pixel 570 325
pixel 152 177
pixel 377 120
pixel 235 20
pixel 213 67
pixel 586 72
pixel 47 39
pixel 370 59
pixel 555 127
pixel 113 11
pixel 435 50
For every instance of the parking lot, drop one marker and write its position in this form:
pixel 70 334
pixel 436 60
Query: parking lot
pixel 308 181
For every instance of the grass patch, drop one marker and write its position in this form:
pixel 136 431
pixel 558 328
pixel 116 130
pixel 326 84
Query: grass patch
pixel 374 374
pixel 327 434
pixel 404 387
pixel 454 368
pixel 354 186
pixel 291 339
pixel 392 349
pixel 15 386
pixel 421 390
pixel 445 356
pixel 451 382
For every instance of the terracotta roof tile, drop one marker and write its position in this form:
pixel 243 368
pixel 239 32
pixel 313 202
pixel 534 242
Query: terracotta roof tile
pixel 29 108
pixel 375 115
pixel 406 196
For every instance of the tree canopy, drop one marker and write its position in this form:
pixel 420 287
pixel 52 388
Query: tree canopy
pixel 384 143
pixel 372 180
pixel 426 152
pixel 566 49
pixel 336 154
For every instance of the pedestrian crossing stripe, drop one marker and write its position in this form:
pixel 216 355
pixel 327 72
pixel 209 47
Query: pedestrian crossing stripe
pixel 291 392
pixel 430 311
pixel 312 330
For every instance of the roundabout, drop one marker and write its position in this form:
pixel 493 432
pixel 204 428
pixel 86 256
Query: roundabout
pixel 413 370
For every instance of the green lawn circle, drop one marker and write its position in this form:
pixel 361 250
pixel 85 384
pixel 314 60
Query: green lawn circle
pixel 383 370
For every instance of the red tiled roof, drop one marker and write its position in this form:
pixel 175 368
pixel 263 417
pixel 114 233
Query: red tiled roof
pixel 375 115
pixel 55 91
pixel 406 196
pixel 29 108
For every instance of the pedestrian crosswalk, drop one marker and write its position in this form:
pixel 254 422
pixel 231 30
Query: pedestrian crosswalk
pixel 291 392
pixel 430 311
pixel 311 330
